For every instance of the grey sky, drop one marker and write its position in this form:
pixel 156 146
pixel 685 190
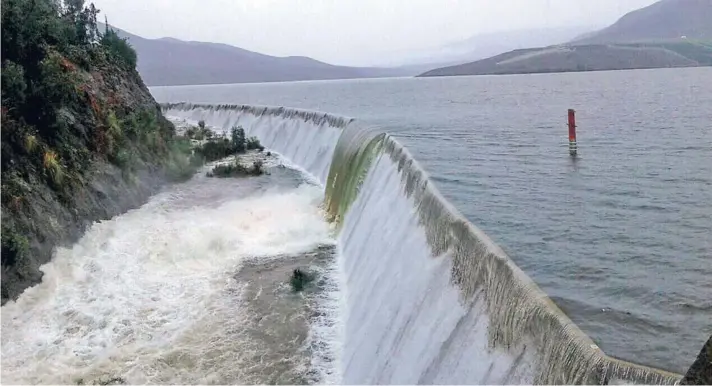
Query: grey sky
pixel 352 32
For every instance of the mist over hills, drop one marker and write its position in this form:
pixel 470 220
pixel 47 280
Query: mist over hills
pixel 669 33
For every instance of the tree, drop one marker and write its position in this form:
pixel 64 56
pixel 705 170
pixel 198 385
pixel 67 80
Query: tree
pixel 119 47
pixel 238 139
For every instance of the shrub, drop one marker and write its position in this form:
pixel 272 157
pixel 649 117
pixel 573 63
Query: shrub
pixel 13 83
pixel 114 126
pixel 216 149
pixel 52 166
pixel 253 143
pixel 15 247
pixel 235 169
pixel 190 132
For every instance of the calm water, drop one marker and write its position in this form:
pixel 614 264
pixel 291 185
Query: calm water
pixel 619 237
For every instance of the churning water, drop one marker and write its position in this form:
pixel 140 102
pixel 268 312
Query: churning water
pixel 190 288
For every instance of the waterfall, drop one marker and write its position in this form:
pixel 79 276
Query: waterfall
pixel 429 298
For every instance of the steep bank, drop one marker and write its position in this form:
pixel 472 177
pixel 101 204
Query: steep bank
pixel 82 138
pixel 429 298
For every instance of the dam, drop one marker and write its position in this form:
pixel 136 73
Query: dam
pixel 427 296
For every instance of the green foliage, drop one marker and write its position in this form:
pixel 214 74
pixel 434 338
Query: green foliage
pixel 13 84
pixel 200 132
pixel 236 169
pixel 119 48
pixel 216 149
pixel 181 164
pixel 15 247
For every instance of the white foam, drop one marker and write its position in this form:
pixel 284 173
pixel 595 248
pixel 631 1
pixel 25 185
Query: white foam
pixel 147 294
pixel 405 323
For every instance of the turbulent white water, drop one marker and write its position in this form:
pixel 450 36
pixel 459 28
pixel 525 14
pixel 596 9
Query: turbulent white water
pixel 424 297
pixel 150 295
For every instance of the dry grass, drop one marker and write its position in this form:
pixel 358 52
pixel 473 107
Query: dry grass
pixel 30 143
pixel 52 166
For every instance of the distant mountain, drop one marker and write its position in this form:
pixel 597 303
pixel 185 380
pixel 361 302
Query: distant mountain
pixel 669 33
pixel 169 61
pixel 483 46
pixel 593 57
pixel 664 20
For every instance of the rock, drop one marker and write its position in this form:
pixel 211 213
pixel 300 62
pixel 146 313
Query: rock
pixel 700 373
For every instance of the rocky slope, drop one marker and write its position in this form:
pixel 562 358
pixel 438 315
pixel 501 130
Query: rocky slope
pixel 82 138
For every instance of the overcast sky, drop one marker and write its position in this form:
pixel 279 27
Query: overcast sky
pixel 351 32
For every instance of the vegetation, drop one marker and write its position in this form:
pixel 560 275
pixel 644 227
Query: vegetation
pixel 236 169
pixel 200 132
pixel 51 51
pixel 216 148
pixel 71 100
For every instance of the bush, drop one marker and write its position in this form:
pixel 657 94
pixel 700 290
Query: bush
pixel 236 170
pixel 15 247
pixel 216 149
pixel 13 84
pixel 253 143
pixel 181 165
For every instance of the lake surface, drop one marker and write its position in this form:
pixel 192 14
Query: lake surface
pixel 619 237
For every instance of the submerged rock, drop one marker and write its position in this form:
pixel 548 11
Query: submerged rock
pixel 300 279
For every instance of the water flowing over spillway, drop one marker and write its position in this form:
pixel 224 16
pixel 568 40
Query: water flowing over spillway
pixel 427 296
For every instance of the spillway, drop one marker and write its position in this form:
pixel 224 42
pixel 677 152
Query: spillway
pixel 427 296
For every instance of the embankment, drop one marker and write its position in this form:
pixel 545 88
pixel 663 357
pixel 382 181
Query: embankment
pixel 429 298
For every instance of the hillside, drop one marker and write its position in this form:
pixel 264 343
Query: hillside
pixel 669 33
pixel 82 138
pixel 664 20
pixel 481 46
pixel 585 58
pixel 168 61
